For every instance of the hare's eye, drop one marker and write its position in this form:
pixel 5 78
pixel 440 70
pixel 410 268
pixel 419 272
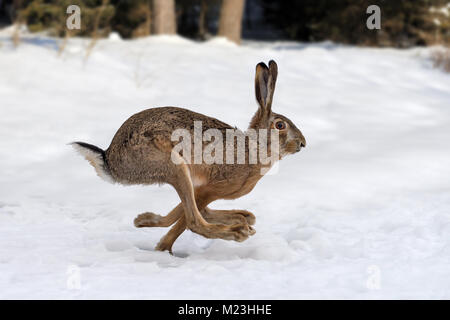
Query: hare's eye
pixel 280 125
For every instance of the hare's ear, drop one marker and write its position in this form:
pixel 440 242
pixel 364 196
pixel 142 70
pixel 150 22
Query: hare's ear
pixel 265 79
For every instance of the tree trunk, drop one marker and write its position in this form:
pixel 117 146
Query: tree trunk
pixel 202 20
pixel 230 23
pixel 164 17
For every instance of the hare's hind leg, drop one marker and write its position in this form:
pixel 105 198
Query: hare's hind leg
pixel 230 217
pixel 212 215
pixel 149 219
pixel 194 220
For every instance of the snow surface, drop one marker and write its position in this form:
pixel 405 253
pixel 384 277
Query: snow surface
pixel 363 212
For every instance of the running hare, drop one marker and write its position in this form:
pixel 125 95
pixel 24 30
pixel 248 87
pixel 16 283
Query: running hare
pixel 141 152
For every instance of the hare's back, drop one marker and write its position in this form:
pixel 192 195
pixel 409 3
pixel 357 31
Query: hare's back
pixel 132 155
pixel 168 119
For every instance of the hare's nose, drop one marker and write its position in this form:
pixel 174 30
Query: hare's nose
pixel 302 142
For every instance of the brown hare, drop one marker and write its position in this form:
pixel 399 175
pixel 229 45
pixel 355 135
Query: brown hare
pixel 142 152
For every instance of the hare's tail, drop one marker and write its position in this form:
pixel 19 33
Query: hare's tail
pixel 96 157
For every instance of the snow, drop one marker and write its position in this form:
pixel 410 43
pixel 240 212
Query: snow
pixel 362 213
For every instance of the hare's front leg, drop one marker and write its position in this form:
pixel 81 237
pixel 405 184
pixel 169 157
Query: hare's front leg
pixel 194 220
pixel 150 219
pixel 167 241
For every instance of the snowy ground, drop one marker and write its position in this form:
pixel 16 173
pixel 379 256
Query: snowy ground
pixel 362 212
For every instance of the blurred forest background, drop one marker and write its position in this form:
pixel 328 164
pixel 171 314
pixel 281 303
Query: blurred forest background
pixel 403 23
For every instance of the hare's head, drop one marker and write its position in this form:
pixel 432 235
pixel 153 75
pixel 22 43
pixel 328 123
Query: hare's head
pixel 291 138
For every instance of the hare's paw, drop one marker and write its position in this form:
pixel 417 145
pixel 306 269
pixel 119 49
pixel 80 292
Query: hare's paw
pixel 250 217
pixel 241 232
pixel 225 218
pixel 229 216
pixel 147 219
pixel 251 230
pixel 236 232
pixel 164 246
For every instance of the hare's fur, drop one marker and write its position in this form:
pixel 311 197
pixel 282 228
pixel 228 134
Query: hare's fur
pixel 140 153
